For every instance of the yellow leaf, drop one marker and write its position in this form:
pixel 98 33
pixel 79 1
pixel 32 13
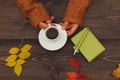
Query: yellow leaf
pixel 26 48
pixel 18 69
pixel 119 65
pixel 116 73
pixel 14 50
pixel 11 64
pixel 20 61
pixel 11 58
pixel 24 55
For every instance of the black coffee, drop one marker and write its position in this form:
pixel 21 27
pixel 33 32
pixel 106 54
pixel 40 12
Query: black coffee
pixel 52 33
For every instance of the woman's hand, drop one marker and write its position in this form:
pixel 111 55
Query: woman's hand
pixel 69 27
pixel 45 23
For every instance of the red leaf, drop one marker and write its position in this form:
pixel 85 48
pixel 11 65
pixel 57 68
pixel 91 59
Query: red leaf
pixel 71 76
pixel 83 75
pixel 79 78
pixel 75 63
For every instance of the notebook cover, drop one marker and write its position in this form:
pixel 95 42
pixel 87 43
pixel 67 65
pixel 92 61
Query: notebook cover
pixel 90 47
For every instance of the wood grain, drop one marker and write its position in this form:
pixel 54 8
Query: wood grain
pixel 103 17
pixel 48 65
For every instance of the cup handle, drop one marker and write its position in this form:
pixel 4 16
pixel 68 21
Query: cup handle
pixel 49 25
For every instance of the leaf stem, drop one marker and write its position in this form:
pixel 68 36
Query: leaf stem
pixel 22 40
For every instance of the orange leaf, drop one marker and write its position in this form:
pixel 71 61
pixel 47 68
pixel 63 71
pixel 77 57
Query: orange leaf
pixel 71 75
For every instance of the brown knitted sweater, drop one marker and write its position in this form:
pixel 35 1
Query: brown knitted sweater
pixel 75 11
pixel 36 12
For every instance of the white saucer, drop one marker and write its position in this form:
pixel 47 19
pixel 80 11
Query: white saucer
pixel 53 44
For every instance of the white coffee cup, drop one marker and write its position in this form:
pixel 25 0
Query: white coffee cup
pixel 57 41
pixel 52 32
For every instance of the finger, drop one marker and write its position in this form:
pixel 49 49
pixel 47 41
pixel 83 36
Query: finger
pixel 68 28
pixel 43 25
pixel 67 31
pixel 50 20
pixel 61 23
pixel 72 30
pixel 65 25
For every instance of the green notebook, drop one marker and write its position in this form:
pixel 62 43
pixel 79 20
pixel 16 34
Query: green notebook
pixel 88 44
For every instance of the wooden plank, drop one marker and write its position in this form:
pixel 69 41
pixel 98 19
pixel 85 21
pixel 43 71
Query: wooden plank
pixel 53 65
pixel 103 18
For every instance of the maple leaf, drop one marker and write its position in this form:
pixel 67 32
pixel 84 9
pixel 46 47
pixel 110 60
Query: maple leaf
pixel 82 75
pixel 76 76
pixel 76 64
pixel 71 76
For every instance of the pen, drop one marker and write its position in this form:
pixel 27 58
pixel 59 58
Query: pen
pixel 81 41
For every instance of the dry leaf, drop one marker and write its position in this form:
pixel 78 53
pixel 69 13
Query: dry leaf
pixel 71 75
pixel 75 63
pixel 11 58
pixel 16 60
pixel 14 50
pixel 11 64
pixel 116 72
pixel 20 61
pixel 24 55
pixel 18 69
pixel 26 48
pixel 119 65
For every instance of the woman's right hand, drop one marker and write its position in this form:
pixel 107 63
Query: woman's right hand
pixel 44 24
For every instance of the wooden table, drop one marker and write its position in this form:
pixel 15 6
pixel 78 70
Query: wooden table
pixel 103 18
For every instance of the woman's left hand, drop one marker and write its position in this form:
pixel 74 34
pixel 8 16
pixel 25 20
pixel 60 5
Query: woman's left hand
pixel 69 27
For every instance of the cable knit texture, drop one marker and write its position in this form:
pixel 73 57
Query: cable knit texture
pixel 33 10
pixel 75 11
pixel 36 13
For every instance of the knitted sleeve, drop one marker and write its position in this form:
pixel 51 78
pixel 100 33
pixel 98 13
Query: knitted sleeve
pixel 75 11
pixel 33 11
